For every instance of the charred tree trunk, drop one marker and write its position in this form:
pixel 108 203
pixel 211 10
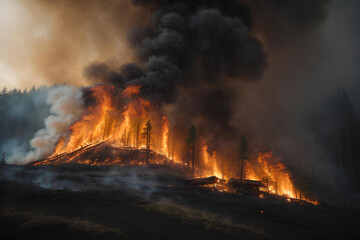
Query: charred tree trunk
pixel 192 158
pixel 338 143
pixel 188 156
pixel 147 135
pixel 148 148
pixel 137 134
pixel 351 162
pixel 242 169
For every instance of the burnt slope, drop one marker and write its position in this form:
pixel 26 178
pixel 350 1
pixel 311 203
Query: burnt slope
pixel 103 153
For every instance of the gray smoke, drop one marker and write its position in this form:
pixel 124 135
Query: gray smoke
pixel 66 107
pixel 139 180
pixel 282 22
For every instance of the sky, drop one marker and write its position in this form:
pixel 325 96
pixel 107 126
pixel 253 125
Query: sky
pixel 45 42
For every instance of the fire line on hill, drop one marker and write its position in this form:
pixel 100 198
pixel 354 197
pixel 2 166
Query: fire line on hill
pixel 109 136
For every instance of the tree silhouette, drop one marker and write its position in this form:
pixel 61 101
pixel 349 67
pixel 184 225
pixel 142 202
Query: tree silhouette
pixel 146 134
pixel 338 133
pixel 190 141
pixel 22 114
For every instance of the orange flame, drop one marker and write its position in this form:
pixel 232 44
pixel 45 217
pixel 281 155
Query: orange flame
pixel 270 171
pixel 90 128
pixel 210 165
pixel 104 122
pixel 165 136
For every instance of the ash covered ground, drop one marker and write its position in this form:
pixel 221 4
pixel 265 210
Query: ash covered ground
pixel 152 202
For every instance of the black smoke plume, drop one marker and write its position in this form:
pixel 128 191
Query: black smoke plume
pixel 195 49
pixel 188 43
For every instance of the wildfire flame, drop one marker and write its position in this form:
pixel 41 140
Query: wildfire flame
pixel 106 123
pixel 165 136
pixel 210 167
pixel 273 173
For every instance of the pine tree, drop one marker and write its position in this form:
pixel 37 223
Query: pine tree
pixel 190 141
pixel 146 134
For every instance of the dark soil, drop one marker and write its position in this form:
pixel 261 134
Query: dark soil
pixel 172 211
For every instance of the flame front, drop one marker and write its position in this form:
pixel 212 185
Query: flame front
pixel 210 165
pixel 273 173
pixel 121 127
pixel 104 123
pixel 91 128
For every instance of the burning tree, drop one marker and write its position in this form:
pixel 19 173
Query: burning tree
pixel 243 152
pixel 146 134
pixel 190 143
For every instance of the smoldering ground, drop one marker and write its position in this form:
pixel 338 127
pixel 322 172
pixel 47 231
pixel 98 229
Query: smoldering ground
pixel 141 181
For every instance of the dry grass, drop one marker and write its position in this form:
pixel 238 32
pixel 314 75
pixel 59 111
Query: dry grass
pixel 207 219
pixel 32 220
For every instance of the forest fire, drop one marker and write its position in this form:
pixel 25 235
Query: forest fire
pixel 103 122
pixel 273 173
pixel 109 135
pixel 177 119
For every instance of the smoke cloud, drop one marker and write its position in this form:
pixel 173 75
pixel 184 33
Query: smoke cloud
pixel 196 49
pixel 281 22
pixel 188 44
pixel 66 107
pixel 45 42
pixel 307 63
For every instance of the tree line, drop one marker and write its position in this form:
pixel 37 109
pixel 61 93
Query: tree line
pixel 22 114
pixel 337 131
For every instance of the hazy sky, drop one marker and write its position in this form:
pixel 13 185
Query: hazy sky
pixel 45 42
